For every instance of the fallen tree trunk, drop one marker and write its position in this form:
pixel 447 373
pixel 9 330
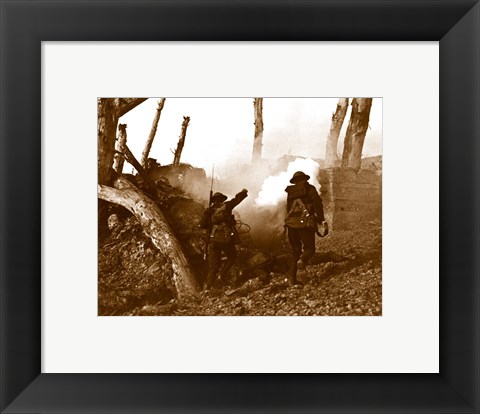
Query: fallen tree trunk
pixel 156 227
pixel 133 161
pixel 157 189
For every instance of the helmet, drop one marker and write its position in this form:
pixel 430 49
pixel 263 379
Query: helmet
pixel 219 197
pixel 299 175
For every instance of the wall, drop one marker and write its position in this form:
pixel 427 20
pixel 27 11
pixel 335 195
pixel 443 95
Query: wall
pixel 350 198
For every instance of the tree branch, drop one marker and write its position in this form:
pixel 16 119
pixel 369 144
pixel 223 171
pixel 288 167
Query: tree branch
pixel 127 104
pixel 156 227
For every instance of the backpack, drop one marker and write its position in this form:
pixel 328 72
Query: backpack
pixel 220 215
pixel 222 231
pixel 298 215
pixel 214 215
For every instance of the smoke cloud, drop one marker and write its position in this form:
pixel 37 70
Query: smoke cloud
pixel 265 208
pixel 273 188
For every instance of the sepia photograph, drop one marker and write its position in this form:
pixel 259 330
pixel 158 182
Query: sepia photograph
pixel 240 206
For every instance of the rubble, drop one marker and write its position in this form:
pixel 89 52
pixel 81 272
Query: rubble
pixel 344 277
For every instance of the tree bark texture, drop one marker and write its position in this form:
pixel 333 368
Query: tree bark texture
pixel 181 141
pixel 153 131
pixel 335 128
pixel 356 131
pixel 118 159
pixel 152 188
pixel 109 111
pixel 258 137
pixel 156 227
pixel 107 131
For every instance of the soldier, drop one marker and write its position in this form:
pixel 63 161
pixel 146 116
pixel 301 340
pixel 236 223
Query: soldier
pixel 304 213
pixel 220 222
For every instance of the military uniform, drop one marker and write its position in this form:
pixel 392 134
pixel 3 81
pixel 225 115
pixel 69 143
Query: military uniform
pixel 219 221
pixel 302 240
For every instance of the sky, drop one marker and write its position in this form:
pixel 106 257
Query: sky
pixel 221 130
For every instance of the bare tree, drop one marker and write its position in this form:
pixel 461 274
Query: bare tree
pixel 258 137
pixel 118 160
pixel 181 140
pixel 153 130
pixel 109 112
pixel 356 131
pixel 127 195
pixel 156 227
pixel 335 128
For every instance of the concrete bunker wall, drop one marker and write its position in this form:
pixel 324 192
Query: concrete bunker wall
pixel 350 198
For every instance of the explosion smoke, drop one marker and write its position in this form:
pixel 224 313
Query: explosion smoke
pixel 265 208
pixel 267 214
pixel 273 188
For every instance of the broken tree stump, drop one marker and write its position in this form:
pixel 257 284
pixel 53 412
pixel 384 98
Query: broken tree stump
pixel 156 227
pixel 335 128
pixel 118 160
pixel 151 136
pixel 109 111
pixel 356 131
pixel 181 141
pixel 258 137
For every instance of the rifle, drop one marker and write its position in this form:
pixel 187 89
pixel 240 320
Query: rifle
pixel 209 226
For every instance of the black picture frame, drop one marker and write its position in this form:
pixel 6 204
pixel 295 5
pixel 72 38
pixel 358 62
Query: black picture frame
pixel 24 24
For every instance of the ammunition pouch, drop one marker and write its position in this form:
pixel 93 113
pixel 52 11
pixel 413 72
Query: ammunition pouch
pixel 302 221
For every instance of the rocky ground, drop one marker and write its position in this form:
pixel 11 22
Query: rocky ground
pixel 344 277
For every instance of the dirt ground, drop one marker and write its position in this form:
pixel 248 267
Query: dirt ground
pixel 344 278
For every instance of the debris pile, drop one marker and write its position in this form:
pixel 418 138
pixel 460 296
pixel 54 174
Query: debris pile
pixel 343 278
pixel 128 270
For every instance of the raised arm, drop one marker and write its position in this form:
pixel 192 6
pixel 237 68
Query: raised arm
pixel 235 201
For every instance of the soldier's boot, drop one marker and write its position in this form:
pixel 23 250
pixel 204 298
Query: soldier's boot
pixel 292 279
pixel 300 265
pixel 301 273
pixel 212 275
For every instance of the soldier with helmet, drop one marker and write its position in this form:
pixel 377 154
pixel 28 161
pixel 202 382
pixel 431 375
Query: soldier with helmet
pixel 304 214
pixel 219 221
